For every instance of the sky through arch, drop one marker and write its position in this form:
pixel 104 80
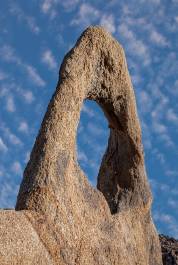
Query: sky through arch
pixel 92 139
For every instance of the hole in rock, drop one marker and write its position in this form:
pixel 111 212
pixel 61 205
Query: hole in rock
pixel 92 139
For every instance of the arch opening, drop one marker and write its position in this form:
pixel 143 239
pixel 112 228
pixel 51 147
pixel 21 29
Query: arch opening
pixel 105 153
pixel 92 139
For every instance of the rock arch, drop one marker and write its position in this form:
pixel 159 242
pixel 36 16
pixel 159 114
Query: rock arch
pixel 76 223
pixel 91 71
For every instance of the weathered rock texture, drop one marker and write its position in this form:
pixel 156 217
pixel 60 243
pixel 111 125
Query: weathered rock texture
pixel 169 248
pixel 60 218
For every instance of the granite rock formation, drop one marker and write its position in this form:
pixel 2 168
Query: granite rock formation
pixel 169 248
pixel 59 217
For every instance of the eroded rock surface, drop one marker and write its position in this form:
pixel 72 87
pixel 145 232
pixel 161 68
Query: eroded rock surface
pixel 60 218
pixel 169 248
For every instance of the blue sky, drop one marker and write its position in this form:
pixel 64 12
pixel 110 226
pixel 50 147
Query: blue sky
pixel 34 37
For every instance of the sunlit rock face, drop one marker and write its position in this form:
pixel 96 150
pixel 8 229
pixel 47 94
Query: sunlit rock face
pixel 60 218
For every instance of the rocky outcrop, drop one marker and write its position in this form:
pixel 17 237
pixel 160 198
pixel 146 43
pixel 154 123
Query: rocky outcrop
pixel 169 248
pixel 60 218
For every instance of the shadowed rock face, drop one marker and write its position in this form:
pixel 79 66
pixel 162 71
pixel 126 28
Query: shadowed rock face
pixel 59 217
pixel 169 248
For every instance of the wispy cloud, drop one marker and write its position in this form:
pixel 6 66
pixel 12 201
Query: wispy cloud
pixel 168 220
pixel 166 139
pixel 11 137
pixel 159 127
pixel 95 129
pixel 175 1
pixel 176 19
pixel 34 76
pixel 82 156
pixel 8 192
pixel 48 58
pixel 27 95
pixel 27 157
pixel 171 173
pixel 145 101
pixel 158 187
pixel 3 91
pixel 50 7
pixel 69 4
pixel 172 116
pixel 14 139
pixel 89 14
pixel 158 155
pixel 158 38
pixel 107 21
pixel 134 45
pixel 86 15
pixel 173 203
pixel 8 54
pixel 16 168
pixel 46 5
pixel 88 111
pixel 155 103
pixel 30 21
pixel 23 127
pixel 10 105
pixel 3 75
pixel 147 136
pixel 3 146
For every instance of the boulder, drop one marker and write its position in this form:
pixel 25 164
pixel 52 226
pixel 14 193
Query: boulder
pixel 169 248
